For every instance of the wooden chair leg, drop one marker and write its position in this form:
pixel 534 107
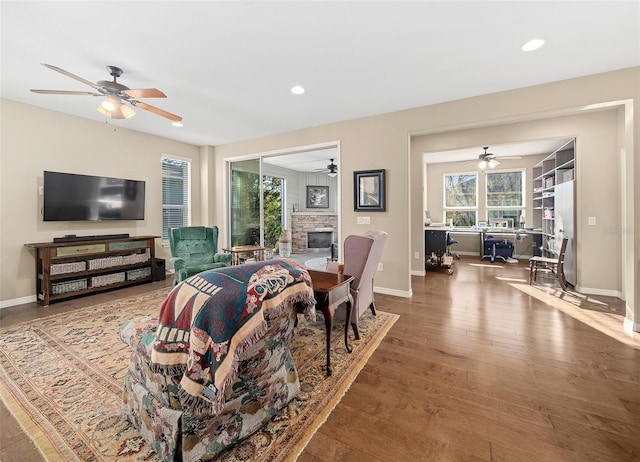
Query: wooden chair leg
pixel 562 280
pixel 373 308
pixel 532 268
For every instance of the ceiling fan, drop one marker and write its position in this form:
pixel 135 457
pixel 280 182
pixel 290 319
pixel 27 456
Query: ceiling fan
pixel 117 96
pixel 331 169
pixel 488 159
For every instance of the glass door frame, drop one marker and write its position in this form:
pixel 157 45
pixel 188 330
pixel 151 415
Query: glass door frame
pixel 259 157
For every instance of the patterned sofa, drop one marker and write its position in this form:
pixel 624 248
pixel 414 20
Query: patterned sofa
pixel 215 365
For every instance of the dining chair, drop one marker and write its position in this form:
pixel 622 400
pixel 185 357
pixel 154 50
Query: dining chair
pixel 552 264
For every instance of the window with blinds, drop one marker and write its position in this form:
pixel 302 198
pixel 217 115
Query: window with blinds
pixel 176 200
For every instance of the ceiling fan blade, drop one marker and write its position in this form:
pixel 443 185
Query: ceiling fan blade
pixel 73 76
pixel 66 92
pixel 155 110
pixel 145 93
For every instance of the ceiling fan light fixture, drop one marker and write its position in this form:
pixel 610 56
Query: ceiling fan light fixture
pixel 332 174
pixel 482 164
pixel 492 163
pixel 127 111
pixel 103 111
pixel 109 104
pixel 115 110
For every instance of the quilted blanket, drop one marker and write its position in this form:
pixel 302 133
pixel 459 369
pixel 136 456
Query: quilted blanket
pixel 208 320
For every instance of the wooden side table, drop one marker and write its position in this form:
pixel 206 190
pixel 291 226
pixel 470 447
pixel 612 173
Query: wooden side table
pixel 330 291
pixel 237 251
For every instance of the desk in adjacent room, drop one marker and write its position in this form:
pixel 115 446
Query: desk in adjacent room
pixel 482 233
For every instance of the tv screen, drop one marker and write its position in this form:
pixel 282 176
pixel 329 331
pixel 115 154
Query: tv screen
pixel 72 197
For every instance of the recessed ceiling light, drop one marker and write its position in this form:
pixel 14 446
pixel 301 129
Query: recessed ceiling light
pixel 177 124
pixel 297 90
pixel 533 44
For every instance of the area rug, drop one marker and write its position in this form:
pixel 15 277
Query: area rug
pixel 62 377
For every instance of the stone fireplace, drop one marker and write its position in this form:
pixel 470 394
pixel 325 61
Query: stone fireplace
pixel 319 238
pixel 311 231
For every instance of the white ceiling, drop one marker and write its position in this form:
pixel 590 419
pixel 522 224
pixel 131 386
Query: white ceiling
pixel 227 67
pixel 524 148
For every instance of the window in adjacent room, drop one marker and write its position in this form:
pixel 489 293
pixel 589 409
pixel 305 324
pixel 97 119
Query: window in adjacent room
pixel 461 198
pixel 176 198
pixel 505 196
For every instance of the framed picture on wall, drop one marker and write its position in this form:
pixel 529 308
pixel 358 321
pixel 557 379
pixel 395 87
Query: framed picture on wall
pixel 317 197
pixel 369 191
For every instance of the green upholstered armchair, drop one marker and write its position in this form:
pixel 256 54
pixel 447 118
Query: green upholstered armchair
pixel 195 249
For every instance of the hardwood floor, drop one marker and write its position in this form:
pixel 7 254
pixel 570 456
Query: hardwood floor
pixel 480 366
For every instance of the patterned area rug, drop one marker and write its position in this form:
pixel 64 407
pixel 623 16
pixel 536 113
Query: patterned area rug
pixel 62 379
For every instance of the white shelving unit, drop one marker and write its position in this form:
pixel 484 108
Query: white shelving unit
pixel 553 205
pixel 557 168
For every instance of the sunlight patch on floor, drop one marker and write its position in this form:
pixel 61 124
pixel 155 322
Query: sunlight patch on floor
pixel 491 265
pixel 584 309
pixel 510 279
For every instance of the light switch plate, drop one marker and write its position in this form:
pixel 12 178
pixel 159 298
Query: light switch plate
pixel 592 221
pixel 363 220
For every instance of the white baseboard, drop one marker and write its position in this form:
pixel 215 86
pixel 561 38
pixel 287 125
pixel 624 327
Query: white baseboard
pixel 17 301
pixel 397 293
pixel 603 292
pixel 631 328
pixel 418 273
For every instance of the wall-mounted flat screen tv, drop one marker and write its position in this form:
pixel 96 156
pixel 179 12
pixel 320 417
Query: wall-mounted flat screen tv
pixel 73 197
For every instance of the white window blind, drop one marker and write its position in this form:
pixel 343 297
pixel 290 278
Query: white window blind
pixel 176 200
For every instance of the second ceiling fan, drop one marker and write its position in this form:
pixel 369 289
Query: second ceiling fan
pixel 331 169
pixel 488 159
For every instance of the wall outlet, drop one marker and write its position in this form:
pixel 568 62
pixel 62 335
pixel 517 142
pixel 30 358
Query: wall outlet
pixel 363 220
pixel 416 255
pixel 380 266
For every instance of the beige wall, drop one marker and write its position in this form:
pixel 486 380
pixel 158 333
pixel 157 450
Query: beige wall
pixel 387 141
pixel 369 143
pixel 34 140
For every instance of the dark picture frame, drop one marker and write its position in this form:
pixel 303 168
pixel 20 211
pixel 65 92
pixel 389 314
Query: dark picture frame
pixel 317 197
pixel 369 190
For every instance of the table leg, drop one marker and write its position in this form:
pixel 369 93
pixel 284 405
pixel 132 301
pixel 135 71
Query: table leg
pixel 328 324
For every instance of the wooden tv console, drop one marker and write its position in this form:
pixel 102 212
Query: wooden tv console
pixel 70 269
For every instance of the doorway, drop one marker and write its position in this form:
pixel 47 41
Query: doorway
pixel 268 190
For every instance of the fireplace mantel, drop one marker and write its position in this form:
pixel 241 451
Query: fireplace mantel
pixel 313 213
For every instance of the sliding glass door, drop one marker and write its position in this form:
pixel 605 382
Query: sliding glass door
pixel 256 205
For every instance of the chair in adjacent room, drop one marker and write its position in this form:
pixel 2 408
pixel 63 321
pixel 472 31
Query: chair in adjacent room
pixel 195 249
pixel 553 264
pixel 451 241
pixel 361 257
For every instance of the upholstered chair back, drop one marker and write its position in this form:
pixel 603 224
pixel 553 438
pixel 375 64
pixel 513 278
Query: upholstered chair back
pixel 196 244
pixel 195 249
pixel 361 257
